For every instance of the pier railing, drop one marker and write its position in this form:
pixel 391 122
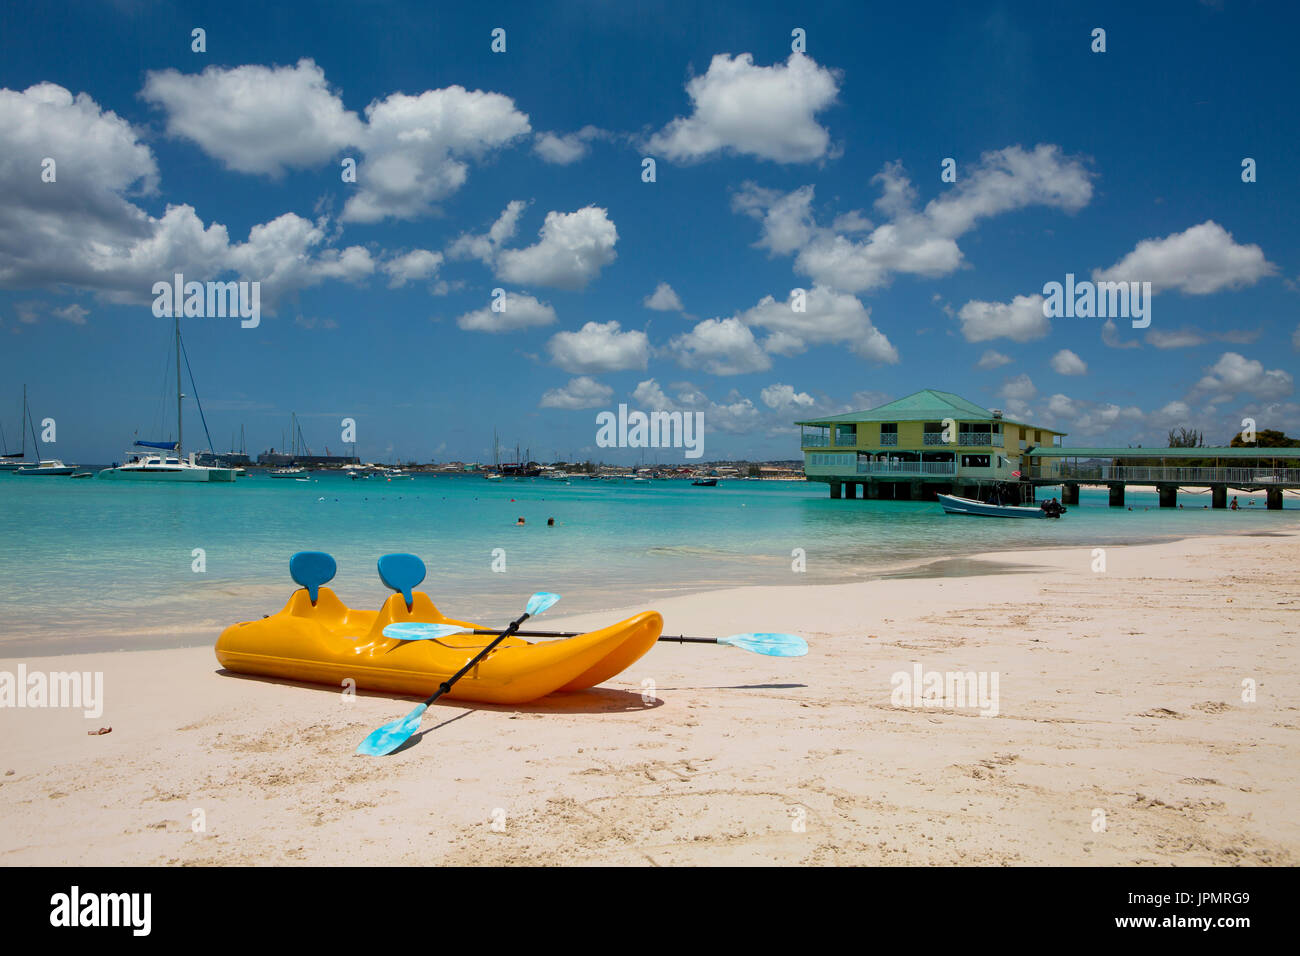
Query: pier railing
pixel 1182 476
pixel 907 468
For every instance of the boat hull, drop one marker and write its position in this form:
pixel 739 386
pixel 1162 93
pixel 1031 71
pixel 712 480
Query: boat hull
pixel 45 472
pixel 330 643
pixel 168 474
pixel 954 505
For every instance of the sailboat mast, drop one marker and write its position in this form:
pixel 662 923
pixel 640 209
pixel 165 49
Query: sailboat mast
pixel 24 421
pixel 179 436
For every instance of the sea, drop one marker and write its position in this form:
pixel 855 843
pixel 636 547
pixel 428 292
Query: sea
pixel 96 565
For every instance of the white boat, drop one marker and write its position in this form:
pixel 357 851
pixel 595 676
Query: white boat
pixel 42 466
pixel 49 466
pixel 152 466
pixel 159 465
pixel 288 473
pixel 954 505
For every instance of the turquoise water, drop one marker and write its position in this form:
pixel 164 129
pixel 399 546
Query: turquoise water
pixel 95 565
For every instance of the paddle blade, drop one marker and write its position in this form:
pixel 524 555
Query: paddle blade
pixel 421 631
pixel 389 737
pixel 773 645
pixel 540 601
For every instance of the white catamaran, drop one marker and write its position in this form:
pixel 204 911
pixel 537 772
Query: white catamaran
pixel 159 465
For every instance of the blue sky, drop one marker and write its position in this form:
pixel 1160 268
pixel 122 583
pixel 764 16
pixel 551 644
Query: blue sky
pixel 522 171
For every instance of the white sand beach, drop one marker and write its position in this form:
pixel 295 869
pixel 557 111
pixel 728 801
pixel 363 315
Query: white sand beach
pixel 1121 737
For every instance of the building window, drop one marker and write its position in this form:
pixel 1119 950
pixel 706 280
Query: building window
pixel 824 460
pixel 975 461
pixel 846 434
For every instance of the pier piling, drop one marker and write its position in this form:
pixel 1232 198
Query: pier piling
pixel 1168 495
pixel 1219 496
pixel 1116 496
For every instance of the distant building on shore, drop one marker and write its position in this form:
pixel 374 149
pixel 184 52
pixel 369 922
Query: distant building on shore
pixel 272 459
pixel 914 447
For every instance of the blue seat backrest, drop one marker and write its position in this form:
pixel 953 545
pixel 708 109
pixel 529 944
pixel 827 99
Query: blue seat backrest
pixel 311 569
pixel 401 573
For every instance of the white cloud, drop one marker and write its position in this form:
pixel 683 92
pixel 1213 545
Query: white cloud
pixel 1295 339
pixel 581 392
pixel 83 230
pixel 780 397
pixel 1021 388
pixel 1110 337
pixel 993 359
pixel 573 248
pixel 1198 261
pixel 599 347
pixel 1066 362
pixel 830 318
pixel 411 267
pixel 1234 374
pixel 787 220
pixel 521 312
pixel 71 313
pixel 915 242
pixel 1189 337
pixel 768 112
pixel 417 149
pixel 485 246
pixel 256 119
pixel 1020 320
pixel 720 347
pixel 1175 338
pixel 1091 418
pixel 567 148
pixel 663 299
pixel 735 414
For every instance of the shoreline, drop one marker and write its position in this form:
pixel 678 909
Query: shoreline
pixel 958 562
pixel 1119 692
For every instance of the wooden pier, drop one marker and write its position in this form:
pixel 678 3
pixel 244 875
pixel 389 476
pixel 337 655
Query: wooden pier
pixel 1269 471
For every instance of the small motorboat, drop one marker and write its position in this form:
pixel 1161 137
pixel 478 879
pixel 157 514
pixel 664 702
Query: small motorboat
pixel 705 482
pixel 49 466
pixel 953 505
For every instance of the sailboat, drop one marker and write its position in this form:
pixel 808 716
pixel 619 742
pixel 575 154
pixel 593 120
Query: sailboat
pixel 160 466
pixel 44 467
pixel 11 460
pixel 291 471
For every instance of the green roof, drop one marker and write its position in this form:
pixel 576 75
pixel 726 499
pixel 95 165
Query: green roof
pixel 1056 451
pixel 929 404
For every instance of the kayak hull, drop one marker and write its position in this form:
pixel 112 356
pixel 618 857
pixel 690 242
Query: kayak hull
pixel 329 643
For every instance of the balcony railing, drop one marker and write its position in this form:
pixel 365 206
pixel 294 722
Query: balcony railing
pixel 890 438
pixel 1182 476
pixel 813 440
pixel 963 438
pixel 907 468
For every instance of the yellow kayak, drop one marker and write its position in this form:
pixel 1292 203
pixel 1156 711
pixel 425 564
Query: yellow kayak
pixel 323 641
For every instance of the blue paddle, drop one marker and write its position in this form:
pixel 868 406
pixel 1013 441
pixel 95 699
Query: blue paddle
pixel 769 644
pixel 384 740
